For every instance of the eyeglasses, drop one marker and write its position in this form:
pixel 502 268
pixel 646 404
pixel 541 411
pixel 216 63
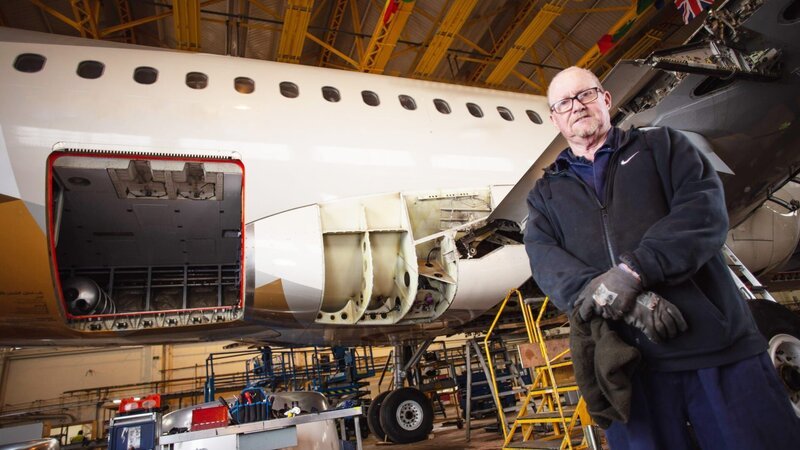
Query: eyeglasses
pixel 585 96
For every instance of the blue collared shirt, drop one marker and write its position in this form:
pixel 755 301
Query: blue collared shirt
pixel 593 173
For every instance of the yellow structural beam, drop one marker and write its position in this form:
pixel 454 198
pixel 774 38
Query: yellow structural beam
pixel 135 23
pixel 590 58
pixel 334 22
pixel 453 21
pixel 293 35
pixel 500 42
pixel 385 36
pixel 641 48
pixel 333 50
pixel 541 21
pixel 186 20
pixel 58 15
pixel 85 13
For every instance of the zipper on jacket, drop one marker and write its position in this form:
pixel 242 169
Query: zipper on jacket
pixel 603 212
pixel 612 169
pixel 607 190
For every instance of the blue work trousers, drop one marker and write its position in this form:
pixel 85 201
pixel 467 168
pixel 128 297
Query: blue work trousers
pixel 739 406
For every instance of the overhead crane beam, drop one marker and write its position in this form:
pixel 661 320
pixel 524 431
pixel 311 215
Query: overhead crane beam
pixel 501 41
pixel 385 36
pixel 334 22
pixel 593 56
pixel 125 16
pixel 541 21
pixel 458 14
pixel 186 20
pixel 295 25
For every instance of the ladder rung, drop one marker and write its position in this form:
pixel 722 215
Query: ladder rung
pixel 539 444
pixel 499 394
pixel 494 410
pixel 549 416
pixel 554 365
pixel 549 390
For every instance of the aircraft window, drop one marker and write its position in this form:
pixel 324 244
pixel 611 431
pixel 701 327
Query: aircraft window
pixel 331 94
pixel 145 75
pixel 244 85
pixel 407 102
pixel 475 110
pixel 289 89
pixel 505 113
pixel 90 69
pixel 29 62
pixel 441 106
pixel 370 98
pixel 534 116
pixel 196 80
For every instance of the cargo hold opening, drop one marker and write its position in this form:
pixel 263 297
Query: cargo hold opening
pixel 146 236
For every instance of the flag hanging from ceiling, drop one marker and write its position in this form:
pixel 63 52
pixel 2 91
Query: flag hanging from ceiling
pixel 608 41
pixel 391 8
pixel 692 8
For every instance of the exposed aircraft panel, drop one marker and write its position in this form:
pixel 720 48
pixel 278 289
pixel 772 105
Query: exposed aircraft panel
pixel 475 294
pixel 289 263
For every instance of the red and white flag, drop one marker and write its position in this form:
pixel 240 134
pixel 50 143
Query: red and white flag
pixel 692 8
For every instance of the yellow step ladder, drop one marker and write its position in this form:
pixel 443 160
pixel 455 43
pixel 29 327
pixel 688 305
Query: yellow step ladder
pixel 544 422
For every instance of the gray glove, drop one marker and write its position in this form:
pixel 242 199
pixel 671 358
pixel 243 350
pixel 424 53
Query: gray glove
pixel 657 318
pixel 610 295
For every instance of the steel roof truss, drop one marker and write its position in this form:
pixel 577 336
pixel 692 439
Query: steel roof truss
pixel 385 37
pixel 295 25
pixel 448 28
pixel 541 21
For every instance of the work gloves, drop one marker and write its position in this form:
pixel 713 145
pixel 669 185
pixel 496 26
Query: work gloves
pixel 657 318
pixel 610 295
pixel 618 294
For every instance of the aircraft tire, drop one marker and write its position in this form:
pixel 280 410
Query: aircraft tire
pixel 781 327
pixel 374 414
pixel 406 416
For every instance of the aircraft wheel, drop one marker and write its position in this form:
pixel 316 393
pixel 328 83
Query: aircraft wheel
pixel 784 351
pixel 373 416
pixel 781 327
pixel 406 416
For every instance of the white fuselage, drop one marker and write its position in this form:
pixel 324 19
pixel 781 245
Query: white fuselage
pixel 299 156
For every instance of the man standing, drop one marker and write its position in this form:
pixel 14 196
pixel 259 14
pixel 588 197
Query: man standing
pixel 628 226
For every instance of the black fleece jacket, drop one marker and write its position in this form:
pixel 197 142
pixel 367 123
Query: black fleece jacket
pixel 664 215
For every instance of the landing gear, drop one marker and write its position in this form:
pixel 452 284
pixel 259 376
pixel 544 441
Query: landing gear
pixel 374 414
pixel 406 416
pixel 784 351
pixel 782 328
pixel 403 415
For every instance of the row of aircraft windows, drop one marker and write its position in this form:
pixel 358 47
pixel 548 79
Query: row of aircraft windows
pixel 31 63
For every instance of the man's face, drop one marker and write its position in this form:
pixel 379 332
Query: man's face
pixel 581 121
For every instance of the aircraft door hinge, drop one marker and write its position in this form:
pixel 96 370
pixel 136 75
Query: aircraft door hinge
pixel 714 58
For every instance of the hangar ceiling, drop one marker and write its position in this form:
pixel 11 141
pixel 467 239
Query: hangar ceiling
pixel 515 45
